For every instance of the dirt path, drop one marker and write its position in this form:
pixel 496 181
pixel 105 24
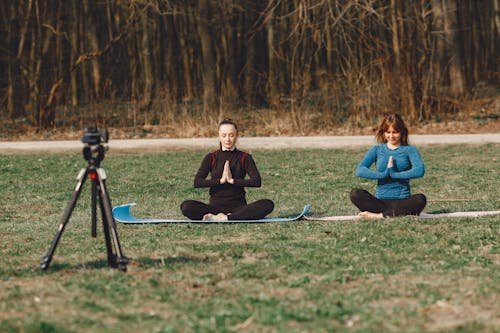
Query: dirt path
pixel 248 143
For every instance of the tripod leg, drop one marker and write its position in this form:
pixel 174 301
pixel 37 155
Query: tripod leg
pixel 94 209
pixel 82 176
pixel 108 220
pixel 107 238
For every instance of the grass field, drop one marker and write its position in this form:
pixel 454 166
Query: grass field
pixel 390 275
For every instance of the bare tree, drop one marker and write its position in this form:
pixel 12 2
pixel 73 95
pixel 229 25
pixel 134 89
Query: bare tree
pixel 207 41
pixel 448 51
pixel 350 58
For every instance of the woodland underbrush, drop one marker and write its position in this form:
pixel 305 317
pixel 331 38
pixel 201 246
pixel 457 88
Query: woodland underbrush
pixel 312 118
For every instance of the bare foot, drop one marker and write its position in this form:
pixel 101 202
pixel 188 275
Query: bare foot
pixel 220 217
pixel 215 218
pixel 208 217
pixel 370 215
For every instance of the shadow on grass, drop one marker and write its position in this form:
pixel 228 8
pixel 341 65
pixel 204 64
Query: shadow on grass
pixel 146 262
pixel 440 211
pixel 95 264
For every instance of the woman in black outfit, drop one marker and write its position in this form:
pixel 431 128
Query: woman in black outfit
pixel 228 167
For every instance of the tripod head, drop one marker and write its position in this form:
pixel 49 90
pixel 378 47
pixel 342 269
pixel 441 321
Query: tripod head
pixel 94 150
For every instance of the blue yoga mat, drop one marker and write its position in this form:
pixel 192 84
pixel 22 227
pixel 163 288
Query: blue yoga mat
pixel 122 214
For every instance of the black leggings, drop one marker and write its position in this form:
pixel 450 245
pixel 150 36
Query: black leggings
pixel 388 207
pixel 195 210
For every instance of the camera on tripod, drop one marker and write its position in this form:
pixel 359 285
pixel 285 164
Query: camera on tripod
pixel 95 135
pixel 93 152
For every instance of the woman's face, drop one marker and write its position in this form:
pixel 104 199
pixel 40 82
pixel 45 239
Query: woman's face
pixel 228 136
pixel 392 136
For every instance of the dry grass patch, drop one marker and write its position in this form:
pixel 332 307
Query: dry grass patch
pixel 454 300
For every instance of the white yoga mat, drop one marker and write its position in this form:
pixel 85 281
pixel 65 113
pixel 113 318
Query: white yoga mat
pixel 422 215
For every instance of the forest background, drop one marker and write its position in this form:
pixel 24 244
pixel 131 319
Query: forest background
pixel 280 67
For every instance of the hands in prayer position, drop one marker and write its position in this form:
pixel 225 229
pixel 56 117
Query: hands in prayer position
pixel 227 177
pixel 371 215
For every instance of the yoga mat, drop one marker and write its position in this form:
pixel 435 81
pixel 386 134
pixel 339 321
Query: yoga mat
pixel 422 215
pixel 122 214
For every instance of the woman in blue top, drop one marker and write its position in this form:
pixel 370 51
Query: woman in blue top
pixel 396 163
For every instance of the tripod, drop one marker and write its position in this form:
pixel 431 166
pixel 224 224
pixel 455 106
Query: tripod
pixel 94 154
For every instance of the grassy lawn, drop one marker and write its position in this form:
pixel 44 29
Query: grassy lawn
pixel 391 275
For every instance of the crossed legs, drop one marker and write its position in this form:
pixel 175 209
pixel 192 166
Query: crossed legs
pixel 196 210
pixel 370 206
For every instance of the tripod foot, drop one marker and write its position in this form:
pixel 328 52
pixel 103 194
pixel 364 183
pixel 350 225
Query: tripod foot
pixel 118 262
pixel 122 263
pixel 45 263
pixel 122 267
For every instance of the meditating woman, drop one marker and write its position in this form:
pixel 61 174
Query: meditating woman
pixel 396 162
pixel 228 167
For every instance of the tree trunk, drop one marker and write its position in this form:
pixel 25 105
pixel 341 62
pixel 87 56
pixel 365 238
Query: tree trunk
pixel 73 36
pixel 186 55
pixel 14 108
pixel 228 58
pixel 208 58
pixel 146 68
pixel 402 66
pixel 272 90
pixel 93 43
pixel 445 15
pixel 457 77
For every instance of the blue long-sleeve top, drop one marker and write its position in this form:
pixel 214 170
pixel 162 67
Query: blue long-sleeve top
pixel 393 183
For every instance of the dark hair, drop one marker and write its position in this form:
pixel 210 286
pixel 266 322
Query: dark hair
pixel 396 121
pixel 228 121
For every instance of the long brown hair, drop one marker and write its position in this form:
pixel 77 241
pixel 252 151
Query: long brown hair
pixel 396 121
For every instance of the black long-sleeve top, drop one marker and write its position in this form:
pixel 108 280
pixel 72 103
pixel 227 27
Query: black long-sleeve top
pixel 241 165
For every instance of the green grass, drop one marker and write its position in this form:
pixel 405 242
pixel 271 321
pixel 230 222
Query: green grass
pixel 391 275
